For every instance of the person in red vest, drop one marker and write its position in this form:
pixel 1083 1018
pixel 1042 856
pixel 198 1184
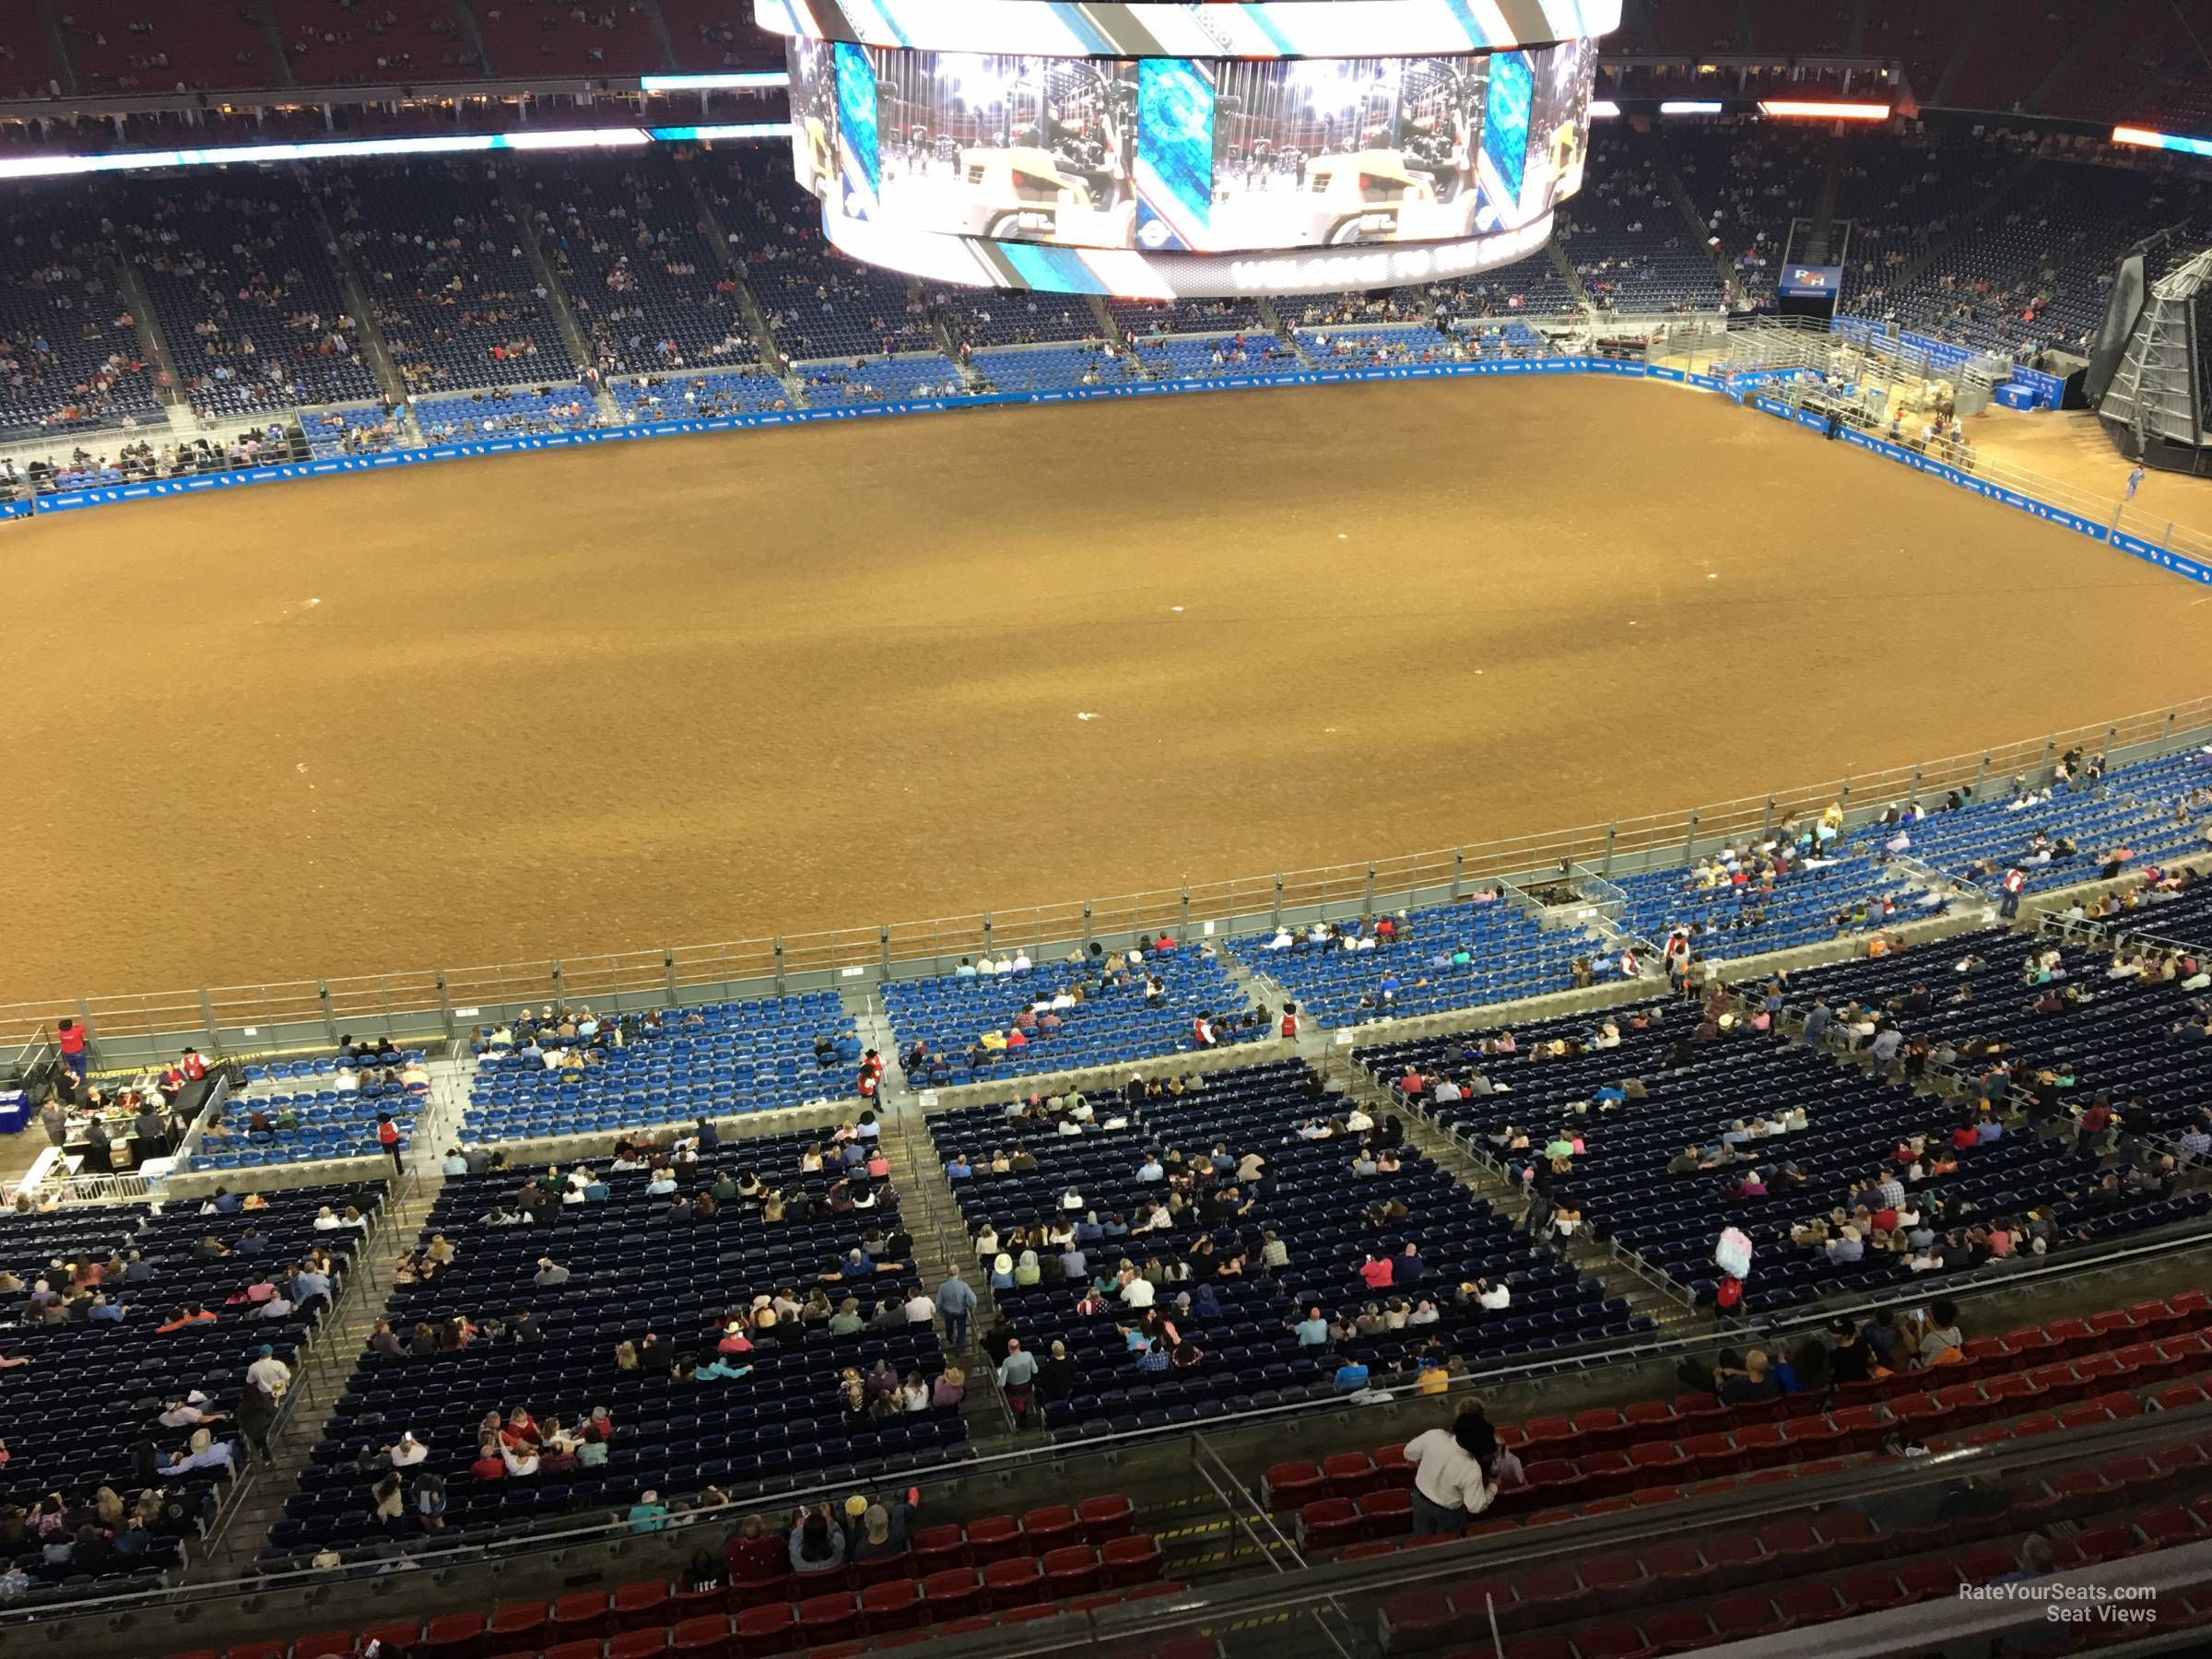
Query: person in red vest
pixel 1290 1020
pixel 2014 884
pixel 387 1136
pixel 69 1037
pixel 193 1064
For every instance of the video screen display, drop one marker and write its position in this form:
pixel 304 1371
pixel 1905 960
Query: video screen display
pixel 1336 152
pixel 1559 131
pixel 1185 155
pixel 1015 148
pixel 813 116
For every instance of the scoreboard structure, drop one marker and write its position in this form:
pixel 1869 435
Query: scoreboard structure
pixel 1159 150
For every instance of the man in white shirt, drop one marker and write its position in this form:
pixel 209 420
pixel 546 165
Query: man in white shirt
pixel 1449 1488
pixel 1021 963
pixel 268 1373
pixel 1137 1293
pixel 1150 1170
pixel 187 1413
pixel 408 1451
pixel 1358 1122
pixel 1491 1298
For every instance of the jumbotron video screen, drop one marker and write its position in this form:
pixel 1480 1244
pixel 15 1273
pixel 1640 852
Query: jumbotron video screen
pixel 1162 176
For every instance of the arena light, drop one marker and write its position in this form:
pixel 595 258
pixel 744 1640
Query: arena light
pixel 350 149
pixel 1681 106
pixel 734 80
pixel 2144 139
pixel 1813 110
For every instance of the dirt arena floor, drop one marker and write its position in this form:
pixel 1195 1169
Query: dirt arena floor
pixel 2071 446
pixel 716 688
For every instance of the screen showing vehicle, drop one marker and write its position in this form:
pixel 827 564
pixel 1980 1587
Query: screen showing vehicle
pixel 1188 154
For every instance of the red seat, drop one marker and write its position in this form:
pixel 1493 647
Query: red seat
pixel 1736 1558
pixel 1070 1571
pixel 400 1633
pixel 2101 1543
pixel 2012 1390
pixel 261 1650
pixel 1388 1511
pixel 2177 1396
pixel 1983 1565
pixel 1554 1479
pixel 2180 1466
pixel 1601 1429
pixel 1709 1455
pixel 1652 1419
pixel 832 1616
pixel 2195 1306
pixel 1862 1426
pixel 1049 1528
pixel 1936 1580
pixel 449 1636
pixel 1810 1437
pixel 1794 1547
pixel 1552 1437
pixel 1104 1517
pixel 1606 1473
pixel 2167 1524
pixel 1548 1588
pixel 1658 1460
pixel 1013 1583
pixel 1615 1581
pixel 589 1649
pixel 894 1605
pixel 1541 1647
pixel 993 1538
pixel 1153 1592
pixel 1679 1569
pixel 698 1603
pixel 1850 1536
pixel 706 1637
pixel 1392 1469
pixel 767 1628
pixel 1740 1618
pixel 1291 1486
pixel 1643 1497
pixel 1612 1641
pixel 1131 1561
pixel 507 1631
pixel 1425 1617
pixel 323 1644
pixel 1330 1523
pixel 953 1593
pixel 640 1604
pixel 2070 1336
pixel 1874 1590
pixel 2154 1319
pixel 936 1547
pixel 638 1644
pixel 1348 1474
pixel 1681 1632
pixel 1816 1602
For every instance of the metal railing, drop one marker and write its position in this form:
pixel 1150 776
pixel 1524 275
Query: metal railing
pixel 239 1021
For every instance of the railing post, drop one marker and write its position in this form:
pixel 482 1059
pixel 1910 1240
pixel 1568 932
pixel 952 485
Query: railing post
pixel 1843 795
pixel 883 948
pixel 1459 870
pixel 1690 839
pixel 558 976
pixel 1367 899
pixel 2111 732
pixel 2167 730
pixel 1182 922
pixel 668 973
pixel 1605 869
pixel 1982 776
pixel 1275 914
pixel 986 933
pixel 1766 823
pixel 1916 771
pixel 330 1019
pixel 1085 927
pixel 84 1019
pixel 215 1041
pixel 778 950
pixel 2050 744
pixel 446 1007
